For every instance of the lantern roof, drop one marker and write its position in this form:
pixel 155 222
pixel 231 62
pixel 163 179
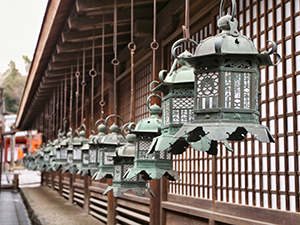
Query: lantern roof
pixel 229 42
pixel 185 74
pixel 113 138
pixel 128 150
pixel 150 124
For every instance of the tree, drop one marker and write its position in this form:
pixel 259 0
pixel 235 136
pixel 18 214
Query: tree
pixel 13 83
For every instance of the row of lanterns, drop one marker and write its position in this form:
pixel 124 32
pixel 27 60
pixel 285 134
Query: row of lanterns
pixel 212 98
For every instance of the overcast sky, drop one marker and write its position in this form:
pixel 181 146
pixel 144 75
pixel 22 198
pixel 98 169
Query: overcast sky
pixel 20 24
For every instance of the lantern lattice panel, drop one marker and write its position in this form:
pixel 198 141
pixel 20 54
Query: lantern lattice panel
pixel 255 174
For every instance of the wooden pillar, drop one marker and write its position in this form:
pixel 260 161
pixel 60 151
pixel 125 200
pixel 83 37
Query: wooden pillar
pixel 87 181
pixel 52 179
pixel 111 205
pixel 155 203
pixel 42 178
pixel 60 178
pixel 71 190
pixel 46 179
pixel 164 197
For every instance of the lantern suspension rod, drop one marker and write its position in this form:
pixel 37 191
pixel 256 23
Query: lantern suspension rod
pixel 115 61
pixel 57 108
pixel 83 83
pixel 102 102
pixel 61 103
pixel 71 98
pixel 77 75
pixel 53 115
pixel 65 98
pixel 132 48
pixel 186 27
pixel 93 74
pixel 154 44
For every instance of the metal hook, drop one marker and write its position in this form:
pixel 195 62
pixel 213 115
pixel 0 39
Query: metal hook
pixel 123 132
pixel 272 51
pixel 232 11
pixel 174 46
pixel 150 96
pixel 114 115
pixel 152 83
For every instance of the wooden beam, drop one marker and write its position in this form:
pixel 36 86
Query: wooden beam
pixel 84 6
pixel 74 35
pixel 78 46
pixel 84 23
pixel 68 56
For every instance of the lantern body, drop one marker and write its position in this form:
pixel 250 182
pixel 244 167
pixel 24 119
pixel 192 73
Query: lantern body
pixel 106 148
pixel 90 162
pixel 61 154
pixel 177 106
pixel 123 160
pixel 154 165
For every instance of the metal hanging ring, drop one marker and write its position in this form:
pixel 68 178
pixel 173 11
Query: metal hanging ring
pixel 149 97
pixel 130 126
pixel 131 46
pixel 98 121
pixel 102 103
pixel 152 83
pixel 83 83
pixel 117 116
pixel 93 72
pixel 123 131
pixel 77 74
pixel 115 62
pixel 154 45
pixel 232 11
pixel 82 126
pixel 175 45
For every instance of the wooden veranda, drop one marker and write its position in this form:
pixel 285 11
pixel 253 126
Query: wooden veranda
pixel 256 184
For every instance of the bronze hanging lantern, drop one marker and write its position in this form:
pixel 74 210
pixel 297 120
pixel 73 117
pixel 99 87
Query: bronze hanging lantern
pixel 45 160
pixel 60 150
pixel 123 160
pixel 157 164
pixel 177 103
pixel 106 148
pixel 226 87
pixel 75 151
pixel 91 166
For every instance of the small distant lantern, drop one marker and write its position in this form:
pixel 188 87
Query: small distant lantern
pixel 177 103
pixel 226 87
pixel 38 159
pixel 122 161
pixel 52 155
pixel 31 161
pixel 80 145
pixel 158 164
pixel 46 157
pixel 107 147
pixel 90 167
pixel 60 146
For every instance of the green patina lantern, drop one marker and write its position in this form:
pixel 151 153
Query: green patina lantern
pixel 76 147
pixel 123 160
pixel 60 150
pixel 91 166
pixel 177 103
pixel 28 160
pixel 38 159
pixel 157 164
pixel 226 88
pixel 45 161
pixel 52 155
pixel 106 148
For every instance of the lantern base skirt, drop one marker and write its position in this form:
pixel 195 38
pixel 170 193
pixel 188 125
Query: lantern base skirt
pixel 101 174
pixel 224 131
pixel 168 142
pixel 152 173
pixel 120 190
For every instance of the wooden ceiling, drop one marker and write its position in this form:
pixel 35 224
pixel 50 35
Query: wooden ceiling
pixel 68 26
